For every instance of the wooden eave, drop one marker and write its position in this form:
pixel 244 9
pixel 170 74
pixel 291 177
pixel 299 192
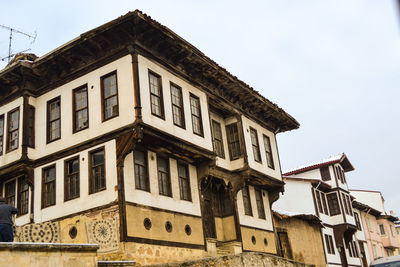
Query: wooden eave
pixel 144 34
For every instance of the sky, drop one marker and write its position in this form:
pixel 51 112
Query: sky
pixel 333 65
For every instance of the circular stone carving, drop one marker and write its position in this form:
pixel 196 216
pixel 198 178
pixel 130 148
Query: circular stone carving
pixel 265 242
pixel 147 223
pixel 188 229
pixel 253 240
pixel 46 233
pixel 168 226
pixel 73 232
pixel 102 231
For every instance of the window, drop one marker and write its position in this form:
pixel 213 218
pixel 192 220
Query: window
pixel 233 141
pixel 80 106
pixel 10 193
pixel 369 224
pixel 268 152
pixel 164 180
pixel 349 204
pixel 246 201
pixel 1 133
pixel 260 204
pixel 177 106
pixel 357 219
pixel 352 247
pixel 31 126
pixel 156 98
pixel 196 115
pixel 345 204
pixel 392 231
pixel 23 197
pixel 374 251
pixel 254 144
pixel 217 139
pixel 325 175
pixel 13 129
pixel 49 186
pixel 71 179
pixel 97 178
pixel 323 196
pixel 141 177
pixel 329 244
pixel 184 182
pixel 319 202
pixel 109 94
pixel 333 204
pixel 382 229
pixel 54 119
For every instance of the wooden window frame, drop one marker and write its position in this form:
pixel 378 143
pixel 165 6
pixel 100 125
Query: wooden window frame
pixel 8 149
pixel 75 111
pixel 325 173
pixel 247 207
pixel 2 134
pixel 325 203
pixel 345 203
pixel 215 140
pixel 181 179
pixel 267 146
pixel 68 177
pixel 51 101
pixel 31 126
pixel 14 196
pixel 255 146
pixel 260 204
pixel 357 220
pixel 93 190
pixel 233 156
pixel 164 192
pixel 194 116
pixel 333 210
pixel 350 206
pixel 139 186
pixel 180 107
pixel 21 192
pixel 44 204
pixel 103 99
pixel 160 97
pixel 382 230
pixel 319 201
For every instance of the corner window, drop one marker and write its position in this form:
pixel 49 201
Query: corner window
pixel 357 219
pixel 80 106
pixel 1 133
pixel 31 126
pixel 233 141
pixel 217 139
pixel 164 180
pixel 156 97
pixel 97 176
pixel 109 94
pixel 49 186
pixel 197 123
pixel 260 204
pixel 141 177
pixel 184 182
pixel 268 152
pixel 255 145
pixel 333 204
pixel 54 119
pixel 246 201
pixel 10 193
pixel 71 179
pixel 23 196
pixel 177 106
pixel 13 129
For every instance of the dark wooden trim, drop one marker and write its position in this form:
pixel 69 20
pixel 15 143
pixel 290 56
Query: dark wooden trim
pixel 25 112
pixel 90 153
pixel 212 121
pixel 315 201
pixel 102 78
pixel 55 186
pixel 162 116
pixel 231 158
pixel 146 162
pixel 169 176
pixel 183 126
pixel 136 86
pixel 339 195
pixel 74 111
pixel 32 112
pixel 49 102
pixel 164 243
pixel 191 95
pixel 65 177
pixel 8 129
pixel 272 154
pixel 18 194
pixel 258 145
pixel 242 139
pixel 256 228
pixel 2 135
pixel 162 210
pixel 186 165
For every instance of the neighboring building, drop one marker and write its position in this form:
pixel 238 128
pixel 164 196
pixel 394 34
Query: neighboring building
pixel 321 189
pixel 130 137
pixel 299 237
pixel 379 227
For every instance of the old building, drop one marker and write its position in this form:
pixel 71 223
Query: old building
pixel 130 137
pixel 379 227
pixel 321 189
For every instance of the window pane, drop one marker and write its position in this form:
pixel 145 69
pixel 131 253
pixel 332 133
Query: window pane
pixel 246 201
pixel 268 151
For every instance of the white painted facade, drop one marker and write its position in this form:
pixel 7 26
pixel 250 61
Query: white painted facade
pixel 374 199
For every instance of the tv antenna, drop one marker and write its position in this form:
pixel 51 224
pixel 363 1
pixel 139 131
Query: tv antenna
pixel 12 30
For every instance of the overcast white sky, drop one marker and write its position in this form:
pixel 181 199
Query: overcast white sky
pixel 334 65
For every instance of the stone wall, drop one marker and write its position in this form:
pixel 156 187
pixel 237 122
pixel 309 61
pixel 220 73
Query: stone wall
pixel 246 259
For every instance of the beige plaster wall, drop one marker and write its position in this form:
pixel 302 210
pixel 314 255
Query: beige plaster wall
pixel 260 235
